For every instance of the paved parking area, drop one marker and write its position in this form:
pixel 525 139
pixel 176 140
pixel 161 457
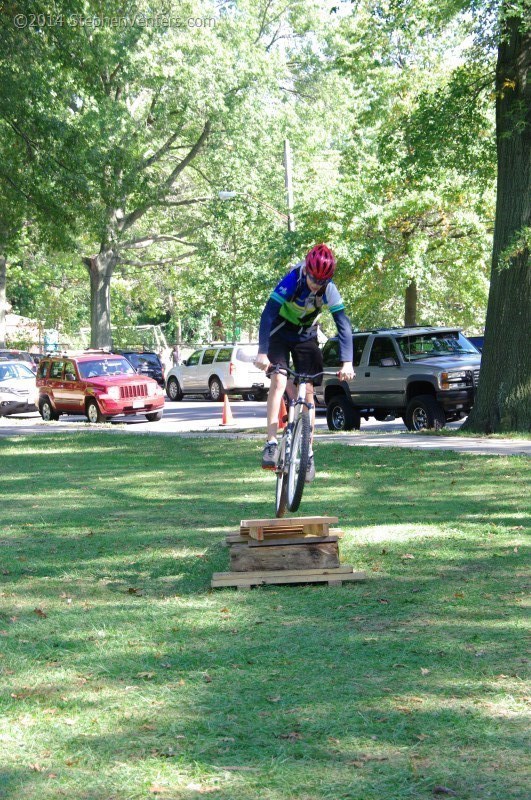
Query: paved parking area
pixel 200 418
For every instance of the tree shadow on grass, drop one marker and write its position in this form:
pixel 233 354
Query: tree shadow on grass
pixel 417 666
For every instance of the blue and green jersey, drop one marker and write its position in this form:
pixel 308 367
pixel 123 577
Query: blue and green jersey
pixel 293 309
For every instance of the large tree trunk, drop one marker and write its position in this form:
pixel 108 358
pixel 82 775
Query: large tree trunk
pixel 101 268
pixel 3 304
pixel 410 316
pixel 504 396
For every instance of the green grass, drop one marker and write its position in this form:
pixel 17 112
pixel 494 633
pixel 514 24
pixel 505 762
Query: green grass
pixel 123 676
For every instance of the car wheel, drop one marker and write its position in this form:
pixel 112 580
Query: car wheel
pixel 47 411
pixel 173 390
pixel 93 412
pixel 216 389
pixel 155 416
pixel 261 395
pixel 424 412
pixel 341 414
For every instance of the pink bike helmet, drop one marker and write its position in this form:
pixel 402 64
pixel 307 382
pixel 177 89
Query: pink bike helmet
pixel 320 263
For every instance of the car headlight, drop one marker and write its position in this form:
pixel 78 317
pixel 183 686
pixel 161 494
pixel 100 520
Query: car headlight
pixel 113 392
pixel 455 379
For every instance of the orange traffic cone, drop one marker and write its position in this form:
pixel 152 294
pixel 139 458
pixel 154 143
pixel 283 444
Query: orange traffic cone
pixel 226 417
pixel 282 415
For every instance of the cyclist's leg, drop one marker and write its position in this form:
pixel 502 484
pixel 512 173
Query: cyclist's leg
pixel 278 353
pixel 308 359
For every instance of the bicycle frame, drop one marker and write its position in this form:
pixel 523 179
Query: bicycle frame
pixel 285 443
pixel 293 450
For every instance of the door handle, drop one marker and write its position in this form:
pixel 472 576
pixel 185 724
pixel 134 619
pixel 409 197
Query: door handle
pixel 367 374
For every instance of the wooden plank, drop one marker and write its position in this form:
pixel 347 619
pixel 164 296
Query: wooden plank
pixel 343 568
pixel 244 558
pixel 289 522
pixel 302 541
pixel 278 536
pixel 241 581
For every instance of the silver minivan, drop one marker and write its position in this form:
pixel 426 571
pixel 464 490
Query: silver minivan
pixel 217 370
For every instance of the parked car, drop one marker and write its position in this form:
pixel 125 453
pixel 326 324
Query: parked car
pixel 426 375
pixel 19 355
pixel 18 392
pixel 98 384
pixel 477 341
pixel 145 362
pixel 217 370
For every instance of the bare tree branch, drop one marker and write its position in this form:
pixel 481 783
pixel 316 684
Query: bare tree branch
pixel 164 262
pixel 147 241
pixel 135 215
pixel 148 162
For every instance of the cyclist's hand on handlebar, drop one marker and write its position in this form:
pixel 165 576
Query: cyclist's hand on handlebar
pixel 346 373
pixel 262 362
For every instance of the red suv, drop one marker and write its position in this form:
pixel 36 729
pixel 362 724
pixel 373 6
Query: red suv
pixel 97 384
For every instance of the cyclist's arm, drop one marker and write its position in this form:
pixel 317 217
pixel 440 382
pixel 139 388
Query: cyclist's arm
pixel 282 291
pixel 269 314
pixel 344 330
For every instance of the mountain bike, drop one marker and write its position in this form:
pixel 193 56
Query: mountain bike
pixel 294 446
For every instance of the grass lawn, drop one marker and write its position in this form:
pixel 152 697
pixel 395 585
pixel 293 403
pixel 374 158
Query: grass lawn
pixel 123 676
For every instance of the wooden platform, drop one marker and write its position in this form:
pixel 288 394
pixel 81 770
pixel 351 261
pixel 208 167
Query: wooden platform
pixel 279 551
pixel 244 580
pixel 262 528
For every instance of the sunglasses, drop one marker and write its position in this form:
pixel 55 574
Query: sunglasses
pixel 316 281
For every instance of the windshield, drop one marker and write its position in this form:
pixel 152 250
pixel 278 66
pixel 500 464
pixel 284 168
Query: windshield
pixel 104 367
pixel 13 371
pixel 432 345
pixel 247 354
pixel 139 360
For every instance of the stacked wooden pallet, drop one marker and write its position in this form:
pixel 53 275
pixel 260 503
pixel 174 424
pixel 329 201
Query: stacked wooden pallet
pixel 293 550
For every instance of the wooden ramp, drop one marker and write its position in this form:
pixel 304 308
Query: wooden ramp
pixel 279 551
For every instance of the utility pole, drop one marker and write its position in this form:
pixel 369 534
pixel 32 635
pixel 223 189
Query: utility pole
pixel 288 180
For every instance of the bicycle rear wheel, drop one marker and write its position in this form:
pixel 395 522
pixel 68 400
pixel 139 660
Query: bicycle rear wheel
pixel 300 449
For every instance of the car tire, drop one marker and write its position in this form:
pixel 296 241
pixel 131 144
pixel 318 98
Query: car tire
pixel 341 414
pixel 173 390
pixel 155 416
pixel 47 411
pixel 424 413
pixel 93 412
pixel 216 393
pixel 261 395
pixel 249 396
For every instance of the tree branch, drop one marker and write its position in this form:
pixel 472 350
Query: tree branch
pixel 164 262
pixel 147 241
pixel 166 146
pixel 138 213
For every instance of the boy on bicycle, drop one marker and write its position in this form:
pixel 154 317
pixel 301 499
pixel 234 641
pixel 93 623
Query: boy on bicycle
pixel 289 326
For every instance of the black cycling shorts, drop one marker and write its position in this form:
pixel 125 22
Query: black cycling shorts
pixel 307 356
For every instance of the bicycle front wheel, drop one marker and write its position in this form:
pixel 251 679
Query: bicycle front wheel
pixel 299 461
pixel 282 494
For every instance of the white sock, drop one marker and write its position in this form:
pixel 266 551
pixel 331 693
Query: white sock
pixel 272 441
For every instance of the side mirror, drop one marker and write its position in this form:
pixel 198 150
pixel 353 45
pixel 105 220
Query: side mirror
pixel 388 362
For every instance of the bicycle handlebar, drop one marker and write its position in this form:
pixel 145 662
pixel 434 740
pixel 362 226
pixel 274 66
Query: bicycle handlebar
pixel 287 371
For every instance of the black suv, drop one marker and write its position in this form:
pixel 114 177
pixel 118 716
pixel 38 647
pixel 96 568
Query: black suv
pixel 426 375
pixel 145 362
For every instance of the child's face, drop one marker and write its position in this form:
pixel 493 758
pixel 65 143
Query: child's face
pixel 313 286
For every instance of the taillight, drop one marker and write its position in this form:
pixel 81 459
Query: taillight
pixel 232 367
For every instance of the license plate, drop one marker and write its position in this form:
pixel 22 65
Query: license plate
pixel 138 402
